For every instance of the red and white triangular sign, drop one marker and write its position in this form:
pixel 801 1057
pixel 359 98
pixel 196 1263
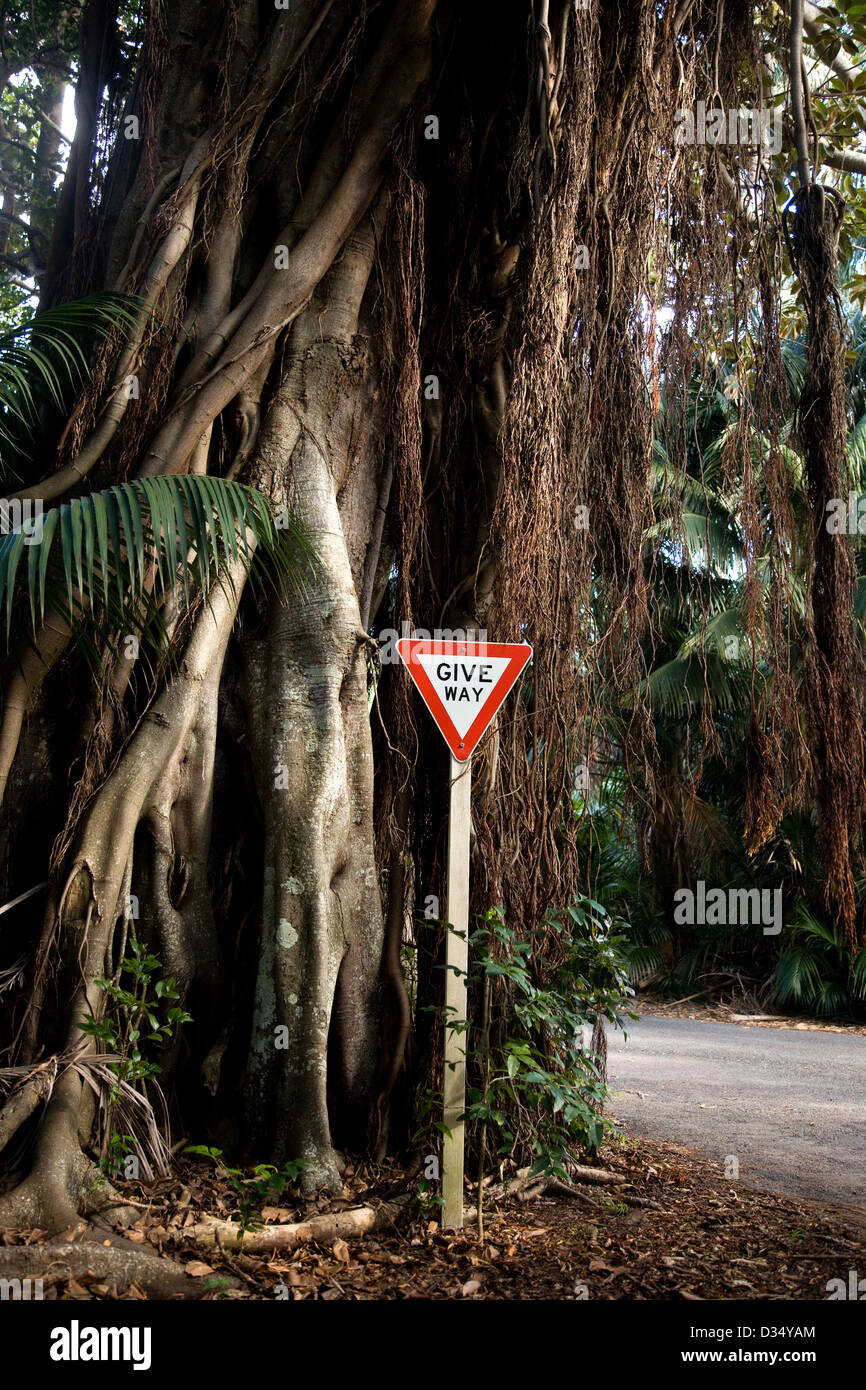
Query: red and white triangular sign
pixel 463 683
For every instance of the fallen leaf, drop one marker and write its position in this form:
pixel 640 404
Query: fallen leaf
pixel 73 1232
pixel 341 1251
pixel 601 1266
pixel 280 1214
pixel 197 1268
pixel 470 1287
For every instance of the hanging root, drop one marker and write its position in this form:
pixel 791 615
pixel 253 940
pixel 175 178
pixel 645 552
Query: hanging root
pixel 833 666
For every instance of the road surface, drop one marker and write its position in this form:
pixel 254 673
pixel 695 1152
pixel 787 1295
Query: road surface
pixel 790 1105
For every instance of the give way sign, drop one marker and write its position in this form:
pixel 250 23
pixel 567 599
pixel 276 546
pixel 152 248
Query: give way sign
pixel 463 683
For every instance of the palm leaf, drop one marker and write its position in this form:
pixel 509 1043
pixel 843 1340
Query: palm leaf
pixel 94 552
pixel 702 536
pixel 729 622
pixel 684 684
pixel 856 451
pixel 46 359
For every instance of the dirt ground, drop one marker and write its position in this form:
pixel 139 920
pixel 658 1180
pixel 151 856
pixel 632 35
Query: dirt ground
pixel 671 1230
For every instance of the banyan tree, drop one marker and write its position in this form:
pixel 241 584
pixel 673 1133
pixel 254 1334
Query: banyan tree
pixel 378 302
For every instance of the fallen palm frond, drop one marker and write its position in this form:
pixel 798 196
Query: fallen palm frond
pixel 133 1115
pixel 13 974
pixel 129 1114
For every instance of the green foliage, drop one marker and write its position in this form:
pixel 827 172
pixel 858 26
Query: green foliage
pixel 262 1186
pixel 117 1150
pixel 135 1016
pixel 95 552
pixel 708 668
pixel 814 969
pixel 138 1014
pixel 622 884
pixel 93 557
pixel 594 970
pixel 542 1089
pixel 43 363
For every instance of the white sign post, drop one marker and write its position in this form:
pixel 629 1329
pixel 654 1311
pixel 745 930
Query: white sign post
pixel 456 968
pixel 463 684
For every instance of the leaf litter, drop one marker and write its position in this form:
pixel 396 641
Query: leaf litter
pixel 673 1228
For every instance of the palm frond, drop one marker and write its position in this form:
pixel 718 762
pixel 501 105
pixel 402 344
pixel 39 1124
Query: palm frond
pixel 684 684
pixel 143 1121
pixel 709 534
pixel 91 555
pixel 48 357
pixel 128 1112
pixel 794 362
pixel 856 452
pixel 720 627
pixel 644 960
pixel 13 975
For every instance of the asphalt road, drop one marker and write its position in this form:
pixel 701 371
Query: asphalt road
pixel 790 1105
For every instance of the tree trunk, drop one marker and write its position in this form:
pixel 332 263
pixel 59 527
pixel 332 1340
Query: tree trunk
pixel 321 939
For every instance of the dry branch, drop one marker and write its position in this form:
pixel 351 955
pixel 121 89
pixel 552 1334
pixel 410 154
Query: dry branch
pixel 523 1180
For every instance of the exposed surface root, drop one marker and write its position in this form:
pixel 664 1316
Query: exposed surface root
pixel 331 1226
pixel 117 1269
pixel 699 1236
pixel 58 1191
